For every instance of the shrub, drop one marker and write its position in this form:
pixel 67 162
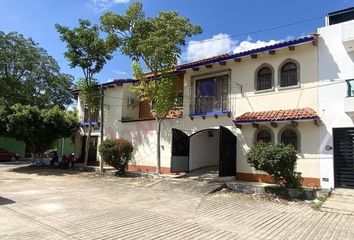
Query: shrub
pixel 116 153
pixel 278 160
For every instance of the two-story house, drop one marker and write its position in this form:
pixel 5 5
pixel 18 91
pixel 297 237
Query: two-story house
pixel 295 92
pixel 229 103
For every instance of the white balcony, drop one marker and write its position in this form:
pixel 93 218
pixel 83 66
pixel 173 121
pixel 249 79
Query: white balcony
pixel 349 106
pixel 348 36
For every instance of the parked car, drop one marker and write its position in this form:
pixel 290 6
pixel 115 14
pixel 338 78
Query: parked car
pixel 8 156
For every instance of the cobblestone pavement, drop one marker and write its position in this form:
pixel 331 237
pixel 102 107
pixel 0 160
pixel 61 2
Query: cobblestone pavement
pixel 57 204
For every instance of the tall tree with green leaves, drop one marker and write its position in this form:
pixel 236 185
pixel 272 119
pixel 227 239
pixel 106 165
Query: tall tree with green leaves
pixel 38 127
pixel 157 42
pixel 29 75
pixel 87 50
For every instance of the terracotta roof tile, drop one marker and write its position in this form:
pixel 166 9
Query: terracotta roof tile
pixel 175 113
pixel 277 115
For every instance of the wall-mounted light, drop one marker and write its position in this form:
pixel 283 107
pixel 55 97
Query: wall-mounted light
pixel 210 133
pixel 328 148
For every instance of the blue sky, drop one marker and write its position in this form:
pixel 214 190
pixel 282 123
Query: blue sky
pixel 219 19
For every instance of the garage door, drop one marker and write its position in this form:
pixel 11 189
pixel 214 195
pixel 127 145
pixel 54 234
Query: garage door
pixel 343 140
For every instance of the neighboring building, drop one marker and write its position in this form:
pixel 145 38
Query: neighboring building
pixel 336 102
pixel 295 92
pixel 13 145
pixel 62 145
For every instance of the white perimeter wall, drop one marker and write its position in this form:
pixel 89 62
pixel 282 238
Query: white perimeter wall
pixel 335 66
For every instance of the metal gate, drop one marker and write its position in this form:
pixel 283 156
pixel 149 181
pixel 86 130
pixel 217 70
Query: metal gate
pixel 227 164
pixel 343 156
pixel 180 151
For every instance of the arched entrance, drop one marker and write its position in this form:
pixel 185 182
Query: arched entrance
pixel 207 147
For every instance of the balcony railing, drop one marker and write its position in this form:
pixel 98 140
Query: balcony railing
pixel 209 105
pixel 350 87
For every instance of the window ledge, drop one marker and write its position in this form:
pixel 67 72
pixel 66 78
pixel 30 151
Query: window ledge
pixel 208 114
pixel 87 123
pixel 289 87
pixel 264 91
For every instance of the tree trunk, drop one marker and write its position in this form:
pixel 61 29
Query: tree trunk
pixel 158 165
pixel 87 145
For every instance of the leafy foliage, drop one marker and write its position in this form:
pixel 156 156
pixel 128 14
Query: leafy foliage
pixel 87 50
pixel 89 93
pixel 278 160
pixel 157 42
pixel 116 153
pixel 161 92
pixel 38 128
pixel 28 75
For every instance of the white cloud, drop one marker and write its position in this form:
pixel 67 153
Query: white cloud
pixel 249 45
pixel 99 6
pixel 119 72
pixel 221 44
pixel 218 44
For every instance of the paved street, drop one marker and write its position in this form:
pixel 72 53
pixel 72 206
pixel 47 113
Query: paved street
pixel 56 204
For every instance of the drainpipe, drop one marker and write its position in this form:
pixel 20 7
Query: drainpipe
pixel 101 126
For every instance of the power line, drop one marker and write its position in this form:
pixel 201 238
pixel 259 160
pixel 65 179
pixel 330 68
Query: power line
pixel 258 31
pixel 209 40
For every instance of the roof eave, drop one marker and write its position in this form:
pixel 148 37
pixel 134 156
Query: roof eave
pixel 276 120
pixel 250 52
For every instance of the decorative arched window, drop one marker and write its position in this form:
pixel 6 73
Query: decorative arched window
pixel 290 136
pixel 264 78
pixel 264 135
pixel 289 74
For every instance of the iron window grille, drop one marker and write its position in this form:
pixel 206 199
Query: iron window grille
pixel 264 136
pixel 289 136
pixel 289 75
pixel 264 79
pixel 211 94
pixel 94 116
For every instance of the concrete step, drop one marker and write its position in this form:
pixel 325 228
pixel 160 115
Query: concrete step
pixel 341 198
pixel 343 192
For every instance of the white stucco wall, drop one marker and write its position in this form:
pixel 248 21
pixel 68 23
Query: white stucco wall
pixel 335 66
pixel 305 95
pixel 204 150
pixel 129 112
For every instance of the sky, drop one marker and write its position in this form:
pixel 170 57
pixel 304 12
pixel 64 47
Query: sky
pixel 228 25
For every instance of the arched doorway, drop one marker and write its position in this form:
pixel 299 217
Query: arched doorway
pixel 207 147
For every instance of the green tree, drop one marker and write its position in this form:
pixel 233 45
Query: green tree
pixel 39 128
pixel 157 43
pixel 29 75
pixel 88 51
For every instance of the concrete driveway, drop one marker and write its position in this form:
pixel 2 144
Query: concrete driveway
pixel 39 203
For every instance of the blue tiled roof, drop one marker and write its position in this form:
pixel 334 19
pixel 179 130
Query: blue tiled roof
pixel 227 57
pixel 118 82
pixel 340 11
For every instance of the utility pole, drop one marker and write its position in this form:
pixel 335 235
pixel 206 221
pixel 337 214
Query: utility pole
pixel 101 125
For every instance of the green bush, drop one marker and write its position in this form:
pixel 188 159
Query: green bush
pixel 278 160
pixel 116 153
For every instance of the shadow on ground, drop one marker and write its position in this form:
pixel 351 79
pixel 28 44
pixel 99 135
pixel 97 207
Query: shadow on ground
pixel 44 171
pixel 5 201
